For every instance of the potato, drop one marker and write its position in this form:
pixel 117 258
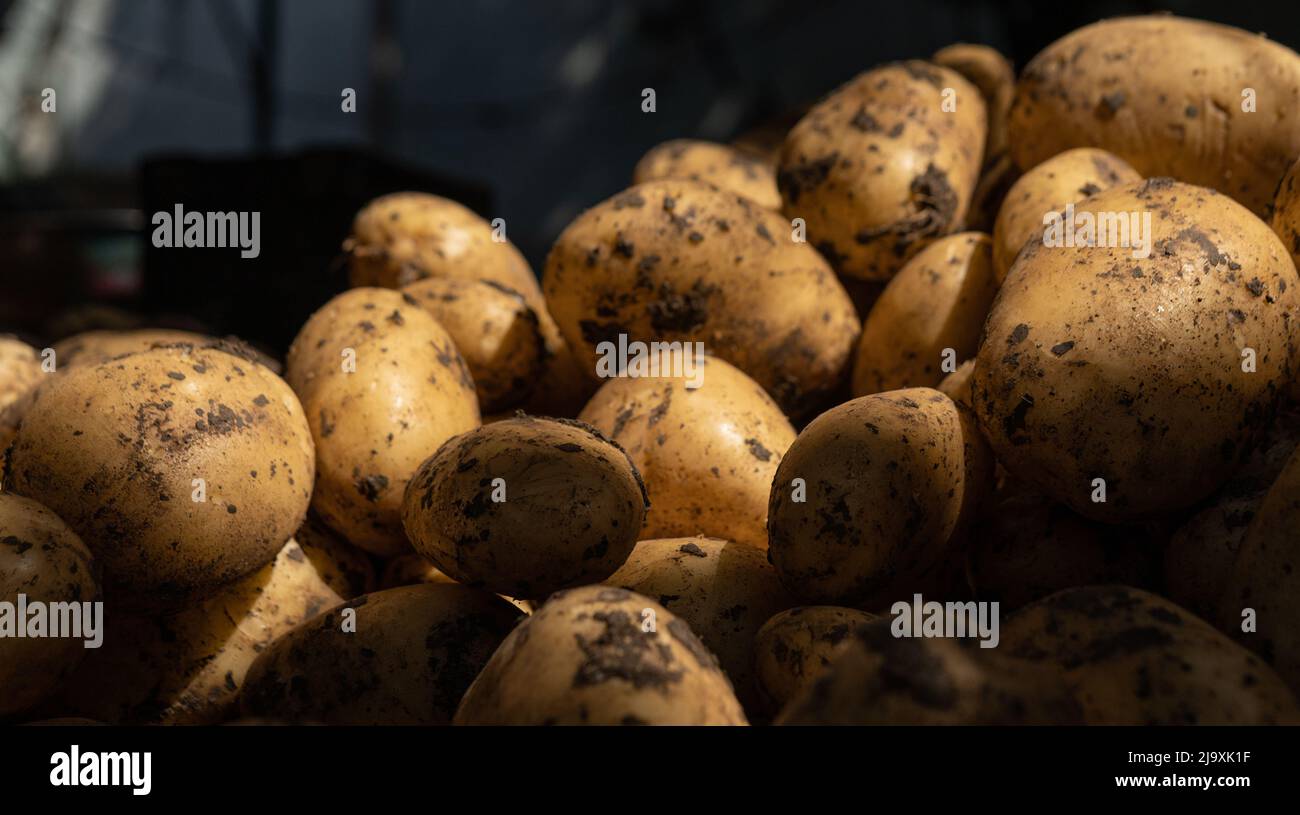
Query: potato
pixel 1099 364
pixel 1286 212
pixel 187 667
pixel 599 655
pixel 496 331
pixel 20 374
pixel 181 468
pixel 400 656
pixel 383 387
pixel 1201 102
pixel 934 307
pixel 992 73
pixel 956 385
pixel 1130 658
pixel 887 484
pixel 793 648
pixel 1063 179
pixel 707 454
pixel 526 506
pixel 721 165
pixel 408 570
pixel 94 347
pixel 724 591
pixel 879 168
pixel 877 678
pixel 44 560
pixel 679 261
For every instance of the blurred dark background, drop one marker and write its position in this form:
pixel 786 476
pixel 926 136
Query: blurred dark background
pixel 525 110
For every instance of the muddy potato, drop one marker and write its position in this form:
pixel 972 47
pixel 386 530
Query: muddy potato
pixel 1286 212
pixel 934 307
pixel 1099 364
pixel 879 168
pixel 20 372
pixel 721 165
pixel 793 648
pixel 526 506
pixel 724 591
pixel 94 347
pixel 1169 96
pixel 181 468
pixel 888 483
pixel 399 656
pixel 1133 658
pixel 992 73
pixel 1062 179
pixel 494 329
pixel 383 386
pixel 707 454
pixel 877 678
pixel 601 656
pixel 680 261
pixel 44 560
pixel 187 667
pixel 956 385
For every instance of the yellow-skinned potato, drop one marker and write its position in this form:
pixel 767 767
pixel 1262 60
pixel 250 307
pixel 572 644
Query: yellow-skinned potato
pixel 44 560
pixel 956 385
pixel 1133 658
pixel 601 656
pixel 707 454
pixel 94 347
pixel 793 648
pixel 888 482
pixel 1210 104
pixel 187 667
pixel 992 73
pixel 181 468
pixel 383 386
pixel 877 678
pixel 20 372
pixel 879 168
pixel 1100 364
pixel 721 165
pixel 1062 179
pixel 724 591
pixel 682 261
pixel 526 506
pixel 1286 212
pixel 494 329
pixel 934 306
pixel 398 656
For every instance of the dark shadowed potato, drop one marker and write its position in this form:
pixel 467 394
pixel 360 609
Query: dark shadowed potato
pixel 721 165
pixel 723 590
pixel 1286 212
pixel 707 454
pixel 682 261
pixel 181 468
pixel 1098 364
pixel 20 373
pixel 526 506
pixel 600 656
pixel 879 168
pixel 992 73
pixel 94 347
pixel 956 385
pixel 1169 96
pixel 44 560
pixel 889 483
pixel 408 658
pixel 793 648
pixel 1133 658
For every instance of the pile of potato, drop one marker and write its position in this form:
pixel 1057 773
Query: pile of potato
pixel 439 511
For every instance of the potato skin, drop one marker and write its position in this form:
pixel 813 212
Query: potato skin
pixel 42 558
pixel 878 169
pixel 707 454
pixel 412 654
pixel 721 165
pixel 1133 658
pixel 724 591
pixel 992 73
pixel 115 448
pixel 20 374
pixel 679 260
pixel 1075 379
pixel 1165 94
pixel 891 481
pixel 956 385
pixel 573 507
pixel 937 301
pixel 794 647
pixel 411 391
pixel 1062 179
pixel 94 347
pixel 585 657
pixel 1286 212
